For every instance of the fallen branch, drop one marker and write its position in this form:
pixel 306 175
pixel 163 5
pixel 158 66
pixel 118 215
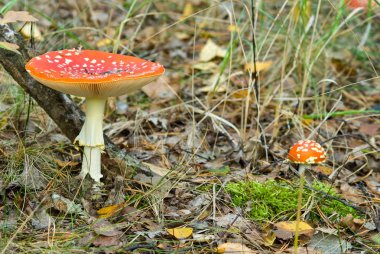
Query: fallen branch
pixel 64 112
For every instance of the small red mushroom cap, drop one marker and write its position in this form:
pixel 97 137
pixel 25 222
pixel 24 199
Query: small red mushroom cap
pixel 91 73
pixel 307 152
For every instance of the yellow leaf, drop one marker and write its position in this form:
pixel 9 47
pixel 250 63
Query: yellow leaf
pixel 235 248
pixel 241 94
pixel 109 211
pixel 290 226
pixel 104 42
pixel 269 239
pixel 180 233
pixel 260 66
pixel 187 11
pixel 205 66
pixel 210 50
pixel 233 28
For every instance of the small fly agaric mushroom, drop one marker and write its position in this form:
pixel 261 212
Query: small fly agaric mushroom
pixel 95 75
pixel 354 4
pixel 304 152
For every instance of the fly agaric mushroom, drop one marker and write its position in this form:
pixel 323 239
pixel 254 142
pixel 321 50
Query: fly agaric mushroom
pixel 304 152
pixel 95 75
pixel 354 4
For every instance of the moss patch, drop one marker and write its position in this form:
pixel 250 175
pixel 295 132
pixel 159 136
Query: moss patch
pixel 274 200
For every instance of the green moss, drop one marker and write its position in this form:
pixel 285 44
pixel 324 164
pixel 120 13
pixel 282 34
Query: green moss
pixel 274 200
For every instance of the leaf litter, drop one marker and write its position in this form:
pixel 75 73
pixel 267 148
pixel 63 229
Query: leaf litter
pixel 197 129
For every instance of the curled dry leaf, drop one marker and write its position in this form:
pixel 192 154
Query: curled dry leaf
pixel 234 248
pixel 14 16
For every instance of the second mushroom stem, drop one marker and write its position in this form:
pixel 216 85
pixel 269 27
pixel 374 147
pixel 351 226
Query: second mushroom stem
pixel 91 137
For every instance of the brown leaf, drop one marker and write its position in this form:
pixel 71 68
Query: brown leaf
pixel 324 170
pixel 369 129
pixel 14 16
pixel 351 193
pixel 104 241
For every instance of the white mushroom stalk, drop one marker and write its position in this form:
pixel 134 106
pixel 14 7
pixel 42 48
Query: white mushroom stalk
pixel 91 138
pixel 95 75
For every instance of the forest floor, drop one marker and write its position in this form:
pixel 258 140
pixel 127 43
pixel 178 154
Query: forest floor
pixel 216 137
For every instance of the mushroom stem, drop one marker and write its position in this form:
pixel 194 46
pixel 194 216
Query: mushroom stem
pixel 91 137
pixel 301 171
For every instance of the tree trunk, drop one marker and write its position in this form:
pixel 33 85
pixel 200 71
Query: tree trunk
pixel 64 112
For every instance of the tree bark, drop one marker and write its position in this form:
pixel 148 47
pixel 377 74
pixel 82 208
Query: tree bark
pixel 64 112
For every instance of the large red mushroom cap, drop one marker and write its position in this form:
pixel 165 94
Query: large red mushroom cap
pixel 91 73
pixel 354 4
pixel 307 152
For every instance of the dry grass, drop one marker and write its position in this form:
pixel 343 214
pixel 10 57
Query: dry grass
pixel 323 84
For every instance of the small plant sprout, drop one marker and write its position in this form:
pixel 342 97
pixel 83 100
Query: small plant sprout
pixel 95 75
pixel 304 153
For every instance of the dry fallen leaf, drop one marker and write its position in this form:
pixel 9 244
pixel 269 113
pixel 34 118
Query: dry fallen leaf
pixel 234 248
pixel 286 229
pixel 9 46
pixel 104 42
pixel 180 233
pixel 109 211
pixel 205 66
pixel 351 193
pixel 369 129
pixel 14 16
pixel 260 66
pixel 105 228
pixel 65 205
pixel 106 241
pixel 188 10
pixel 160 89
pixel 323 170
pixel 210 50
pixel 63 164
